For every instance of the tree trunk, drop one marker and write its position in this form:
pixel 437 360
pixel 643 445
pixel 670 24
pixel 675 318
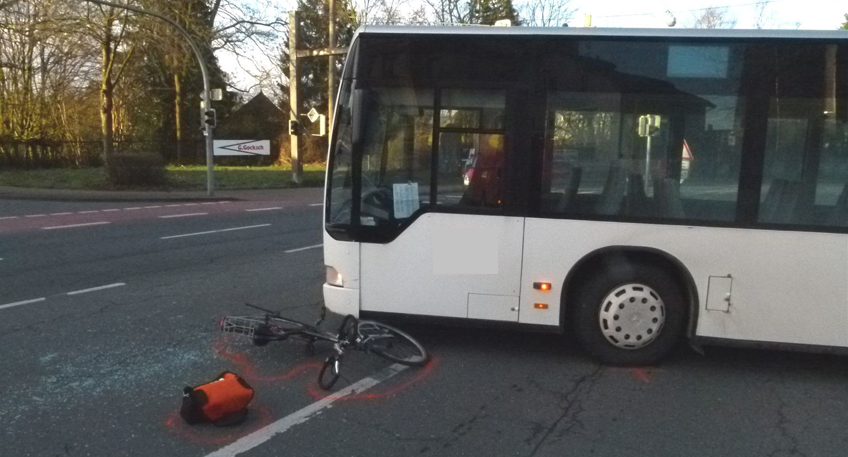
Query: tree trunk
pixel 178 101
pixel 107 94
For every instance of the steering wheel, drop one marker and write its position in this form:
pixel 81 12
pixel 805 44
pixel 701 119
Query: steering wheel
pixel 378 203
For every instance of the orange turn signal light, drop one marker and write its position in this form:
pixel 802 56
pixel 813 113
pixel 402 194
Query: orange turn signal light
pixel 541 306
pixel 543 286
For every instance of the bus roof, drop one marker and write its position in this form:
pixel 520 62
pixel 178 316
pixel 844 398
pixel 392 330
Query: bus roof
pixel 604 32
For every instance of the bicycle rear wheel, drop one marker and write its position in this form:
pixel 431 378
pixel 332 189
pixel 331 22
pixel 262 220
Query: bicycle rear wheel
pixel 392 344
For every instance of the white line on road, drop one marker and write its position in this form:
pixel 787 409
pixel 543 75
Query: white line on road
pixel 19 303
pixel 316 204
pixel 60 214
pixel 8 217
pixel 264 209
pixel 132 209
pixel 303 249
pixel 74 225
pixel 214 231
pixel 209 203
pixel 264 434
pixel 93 289
pixel 183 215
pixel 110 210
pixel 172 206
pixel 36 215
pixel 189 204
pixel 89 212
pixel 151 207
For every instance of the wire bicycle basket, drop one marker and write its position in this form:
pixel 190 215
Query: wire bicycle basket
pixel 238 325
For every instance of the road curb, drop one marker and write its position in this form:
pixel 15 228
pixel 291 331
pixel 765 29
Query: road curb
pixel 20 193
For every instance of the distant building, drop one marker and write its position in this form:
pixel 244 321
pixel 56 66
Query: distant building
pixel 258 119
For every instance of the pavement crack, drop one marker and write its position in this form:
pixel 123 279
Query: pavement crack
pixel 571 403
pixel 463 428
pixel 782 426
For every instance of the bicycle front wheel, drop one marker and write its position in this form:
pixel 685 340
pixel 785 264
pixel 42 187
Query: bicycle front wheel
pixel 392 344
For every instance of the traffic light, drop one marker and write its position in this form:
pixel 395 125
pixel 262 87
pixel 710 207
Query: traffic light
pixel 649 125
pixel 294 127
pixel 211 118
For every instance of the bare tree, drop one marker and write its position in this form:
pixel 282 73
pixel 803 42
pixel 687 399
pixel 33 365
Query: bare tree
pixel 713 18
pixel 450 11
pixel 547 13
pixel 249 30
pixel 391 11
pixel 762 17
pixel 365 12
pixel 108 27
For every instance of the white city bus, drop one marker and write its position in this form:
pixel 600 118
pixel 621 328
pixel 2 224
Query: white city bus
pixel 629 187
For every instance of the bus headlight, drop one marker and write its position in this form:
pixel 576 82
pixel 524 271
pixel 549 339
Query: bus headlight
pixel 334 278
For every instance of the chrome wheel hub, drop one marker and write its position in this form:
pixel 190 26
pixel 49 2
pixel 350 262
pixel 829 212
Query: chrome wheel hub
pixel 632 316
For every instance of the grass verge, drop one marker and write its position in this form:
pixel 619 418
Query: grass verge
pixel 184 178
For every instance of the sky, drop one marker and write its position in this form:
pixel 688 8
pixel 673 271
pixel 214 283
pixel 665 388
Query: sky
pixel 807 14
pixel 779 14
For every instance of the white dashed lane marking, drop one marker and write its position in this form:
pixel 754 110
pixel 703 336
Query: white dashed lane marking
pixel 171 216
pixel 136 208
pixel 74 225
pixel 264 434
pixel 76 292
pixel 19 303
pixel 264 209
pixel 214 231
pixel 94 289
pixel 303 249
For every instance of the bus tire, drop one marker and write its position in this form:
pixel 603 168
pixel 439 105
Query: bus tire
pixel 630 314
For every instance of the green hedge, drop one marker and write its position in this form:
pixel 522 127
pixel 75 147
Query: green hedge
pixel 136 170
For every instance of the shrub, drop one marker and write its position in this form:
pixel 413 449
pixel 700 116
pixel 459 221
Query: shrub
pixel 136 170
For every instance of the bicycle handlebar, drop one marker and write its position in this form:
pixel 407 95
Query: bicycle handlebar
pixel 271 313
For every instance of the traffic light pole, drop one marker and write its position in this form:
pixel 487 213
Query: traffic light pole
pixel 294 100
pixel 207 92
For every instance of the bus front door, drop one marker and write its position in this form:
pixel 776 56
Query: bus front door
pixel 450 265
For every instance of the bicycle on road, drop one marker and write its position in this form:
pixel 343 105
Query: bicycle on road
pixel 361 335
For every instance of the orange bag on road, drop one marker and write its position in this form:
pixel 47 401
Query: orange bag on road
pixel 220 402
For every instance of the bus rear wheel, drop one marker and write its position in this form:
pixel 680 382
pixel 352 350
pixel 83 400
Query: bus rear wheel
pixel 630 314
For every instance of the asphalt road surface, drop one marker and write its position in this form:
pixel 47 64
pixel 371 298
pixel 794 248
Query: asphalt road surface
pixel 107 310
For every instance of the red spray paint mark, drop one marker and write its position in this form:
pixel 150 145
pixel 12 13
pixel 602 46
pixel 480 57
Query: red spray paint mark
pixel 645 374
pixel 259 417
pixel 641 374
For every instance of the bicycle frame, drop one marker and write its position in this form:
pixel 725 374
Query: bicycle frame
pixel 353 333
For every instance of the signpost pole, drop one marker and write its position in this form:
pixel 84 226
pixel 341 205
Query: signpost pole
pixel 331 78
pixel 294 99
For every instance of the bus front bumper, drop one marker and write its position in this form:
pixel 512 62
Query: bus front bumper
pixel 341 301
